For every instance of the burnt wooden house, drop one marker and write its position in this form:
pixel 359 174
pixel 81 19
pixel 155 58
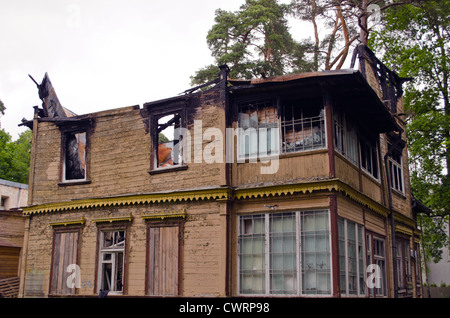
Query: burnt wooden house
pixel 284 186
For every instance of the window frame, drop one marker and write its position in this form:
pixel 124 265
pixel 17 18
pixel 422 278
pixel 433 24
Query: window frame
pixel 300 269
pixel 361 291
pixel 156 114
pixel 113 227
pixel 344 134
pixel 243 133
pixel 395 167
pixel 374 151
pixel 280 105
pixel 404 266
pixel 65 131
pixel 371 258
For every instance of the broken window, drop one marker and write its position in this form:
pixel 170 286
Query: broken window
pixel 111 262
pixel 74 152
pixel 369 157
pixel 258 133
pixel 303 126
pixel 345 138
pixel 168 140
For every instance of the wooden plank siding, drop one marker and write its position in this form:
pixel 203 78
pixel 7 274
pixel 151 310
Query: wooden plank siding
pixel 65 252
pixel 163 260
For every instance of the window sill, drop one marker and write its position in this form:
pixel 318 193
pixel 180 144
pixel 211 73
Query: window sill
pixel 398 193
pixel 169 169
pixel 70 183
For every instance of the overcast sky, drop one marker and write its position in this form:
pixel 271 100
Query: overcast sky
pixel 101 54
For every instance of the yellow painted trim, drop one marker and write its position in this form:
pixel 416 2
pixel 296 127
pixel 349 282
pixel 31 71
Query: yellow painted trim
pixel 215 194
pixel 404 230
pixel 166 215
pixel 404 219
pixel 128 218
pixel 68 222
pixel 218 193
pixel 304 188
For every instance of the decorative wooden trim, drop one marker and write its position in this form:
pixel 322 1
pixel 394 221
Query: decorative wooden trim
pixel 69 222
pixel 404 219
pixel 128 218
pixel 222 193
pixel 404 230
pixel 181 196
pixel 166 215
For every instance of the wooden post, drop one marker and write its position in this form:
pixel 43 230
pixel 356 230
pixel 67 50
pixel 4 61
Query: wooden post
pixel 328 105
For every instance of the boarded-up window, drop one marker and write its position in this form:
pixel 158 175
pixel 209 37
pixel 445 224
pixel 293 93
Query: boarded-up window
pixel 163 260
pixel 65 252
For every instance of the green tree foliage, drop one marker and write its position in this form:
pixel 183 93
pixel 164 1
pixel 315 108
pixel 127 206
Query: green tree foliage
pixel 253 40
pixel 15 157
pixel 415 39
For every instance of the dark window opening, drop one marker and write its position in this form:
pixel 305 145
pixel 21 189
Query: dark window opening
pixel 74 156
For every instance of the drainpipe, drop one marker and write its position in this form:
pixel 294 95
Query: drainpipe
pixel 391 215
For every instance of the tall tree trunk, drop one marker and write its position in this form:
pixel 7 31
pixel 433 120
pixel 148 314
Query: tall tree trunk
pixel 363 17
pixel 316 34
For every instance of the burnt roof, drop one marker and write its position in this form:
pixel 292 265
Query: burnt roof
pixel 348 87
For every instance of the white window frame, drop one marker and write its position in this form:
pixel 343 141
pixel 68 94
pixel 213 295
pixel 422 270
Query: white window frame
pixel 377 260
pixel 361 291
pixel 64 170
pixel 396 173
pixel 114 251
pixel 299 262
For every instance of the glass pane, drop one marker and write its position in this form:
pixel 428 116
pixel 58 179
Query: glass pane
pixel 315 253
pixel 106 276
pixel 252 255
pixel 283 253
pixel 119 272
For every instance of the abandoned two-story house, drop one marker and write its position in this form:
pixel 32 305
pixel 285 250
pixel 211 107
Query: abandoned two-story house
pixel 295 185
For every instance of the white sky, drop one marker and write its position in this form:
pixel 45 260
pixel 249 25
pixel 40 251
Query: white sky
pixel 101 54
